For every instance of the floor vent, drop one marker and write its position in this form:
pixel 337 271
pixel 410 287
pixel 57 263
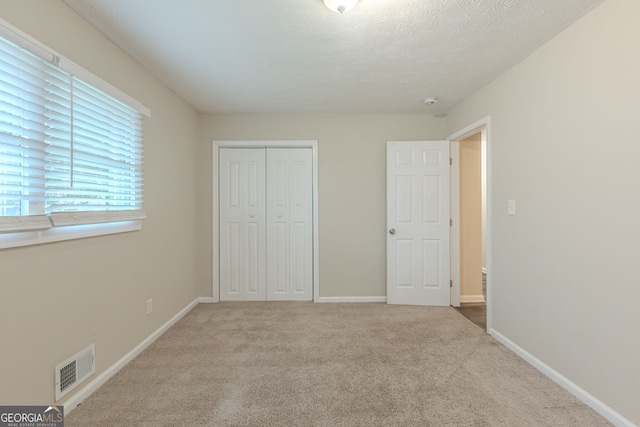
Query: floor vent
pixel 74 370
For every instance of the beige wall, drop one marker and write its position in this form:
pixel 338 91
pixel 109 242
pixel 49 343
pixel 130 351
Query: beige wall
pixel 352 187
pixel 564 145
pixel 56 299
pixel 471 236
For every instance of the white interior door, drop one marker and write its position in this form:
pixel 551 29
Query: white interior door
pixel 242 225
pixel 418 223
pixel 289 224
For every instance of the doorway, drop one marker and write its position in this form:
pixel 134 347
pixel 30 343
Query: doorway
pixel 471 233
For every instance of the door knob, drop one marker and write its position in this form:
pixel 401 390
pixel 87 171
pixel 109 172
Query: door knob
pixel 392 231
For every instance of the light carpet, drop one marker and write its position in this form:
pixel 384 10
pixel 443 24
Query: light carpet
pixel 306 364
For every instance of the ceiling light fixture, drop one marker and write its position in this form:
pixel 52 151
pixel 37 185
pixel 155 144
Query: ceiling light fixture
pixel 340 6
pixel 430 100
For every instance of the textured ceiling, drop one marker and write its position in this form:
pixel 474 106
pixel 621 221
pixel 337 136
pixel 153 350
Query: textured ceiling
pixel 282 56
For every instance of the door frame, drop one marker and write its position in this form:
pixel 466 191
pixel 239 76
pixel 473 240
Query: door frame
pixel 217 144
pixel 483 124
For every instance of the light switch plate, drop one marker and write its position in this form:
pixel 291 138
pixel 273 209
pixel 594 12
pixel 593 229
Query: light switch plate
pixel 512 207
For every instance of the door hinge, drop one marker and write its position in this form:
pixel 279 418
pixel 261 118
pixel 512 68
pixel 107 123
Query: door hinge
pixel 450 223
pixel 451 283
pixel 450 161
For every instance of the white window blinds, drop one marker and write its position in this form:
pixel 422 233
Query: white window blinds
pixel 69 153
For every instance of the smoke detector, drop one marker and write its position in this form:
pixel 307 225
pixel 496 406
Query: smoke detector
pixel 430 100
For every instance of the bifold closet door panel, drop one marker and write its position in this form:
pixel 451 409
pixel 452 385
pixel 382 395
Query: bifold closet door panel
pixel 242 225
pixel 289 224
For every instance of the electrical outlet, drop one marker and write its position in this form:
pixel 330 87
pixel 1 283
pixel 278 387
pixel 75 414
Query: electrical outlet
pixel 149 306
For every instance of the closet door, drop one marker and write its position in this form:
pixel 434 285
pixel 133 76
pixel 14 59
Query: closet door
pixel 289 224
pixel 242 224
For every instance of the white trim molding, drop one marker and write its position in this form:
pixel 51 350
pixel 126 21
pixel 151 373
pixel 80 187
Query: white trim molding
pixel 454 152
pixel 71 403
pixel 350 299
pixel 27 238
pixel 595 404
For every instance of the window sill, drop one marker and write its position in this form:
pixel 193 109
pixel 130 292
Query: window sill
pixel 14 240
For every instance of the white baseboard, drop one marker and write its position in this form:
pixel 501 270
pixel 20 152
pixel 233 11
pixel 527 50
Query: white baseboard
pixel 351 299
pixel 71 403
pixel 595 404
pixel 206 300
pixel 471 298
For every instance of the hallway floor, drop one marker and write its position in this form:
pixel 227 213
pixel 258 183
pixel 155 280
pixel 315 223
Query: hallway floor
pixel 476 312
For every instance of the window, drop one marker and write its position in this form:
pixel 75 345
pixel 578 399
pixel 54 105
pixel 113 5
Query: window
pixel 70 153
